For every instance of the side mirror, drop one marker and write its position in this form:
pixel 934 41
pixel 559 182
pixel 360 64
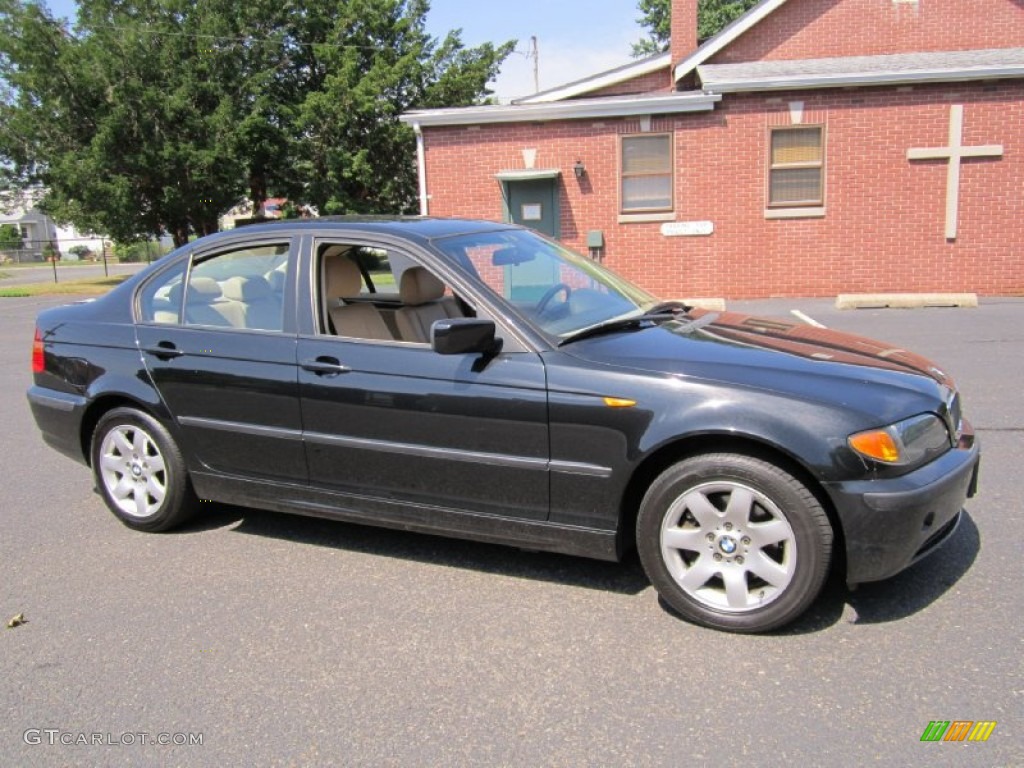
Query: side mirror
pixel 461 335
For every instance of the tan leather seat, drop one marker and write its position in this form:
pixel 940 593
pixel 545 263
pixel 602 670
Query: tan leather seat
pixel 424 302
pixel 205 304
pixel 357 320
pixel 261 307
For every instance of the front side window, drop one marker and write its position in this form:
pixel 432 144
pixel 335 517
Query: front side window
pixel 796 172
pixel 647 173
pixel 375 294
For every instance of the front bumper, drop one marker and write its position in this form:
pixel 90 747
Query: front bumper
pixel 891 524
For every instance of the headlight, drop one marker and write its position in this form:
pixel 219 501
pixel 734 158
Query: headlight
pixel 913 441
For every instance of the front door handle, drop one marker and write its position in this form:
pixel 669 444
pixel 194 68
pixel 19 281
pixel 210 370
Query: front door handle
pixel 325 366
pixel 164 350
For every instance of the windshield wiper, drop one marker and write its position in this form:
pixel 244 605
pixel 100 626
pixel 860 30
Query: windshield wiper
pixel 668 306
pixel 621 323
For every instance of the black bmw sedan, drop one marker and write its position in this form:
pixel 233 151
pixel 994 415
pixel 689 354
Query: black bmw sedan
pixel 474 379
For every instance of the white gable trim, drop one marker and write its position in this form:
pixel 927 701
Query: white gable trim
pixel 716 43
pixel 603 80
pixel 575 109
pixel 844 72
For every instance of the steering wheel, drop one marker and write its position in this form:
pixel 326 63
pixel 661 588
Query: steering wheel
pixel 550 293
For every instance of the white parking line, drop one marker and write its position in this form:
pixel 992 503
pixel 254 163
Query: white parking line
pixel 806 318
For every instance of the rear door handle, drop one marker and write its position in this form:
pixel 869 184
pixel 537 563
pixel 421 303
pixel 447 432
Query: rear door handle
pixel 164 350
pixel 325 366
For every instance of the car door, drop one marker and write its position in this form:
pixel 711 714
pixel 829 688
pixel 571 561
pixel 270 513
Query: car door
pixel 391 419
pixel 218 338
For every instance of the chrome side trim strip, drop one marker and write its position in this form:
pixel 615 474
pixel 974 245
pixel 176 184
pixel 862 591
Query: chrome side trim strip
pixel 579 468
pixel 405 449
pixel 456 454
pixel 244 429
pixel 430 452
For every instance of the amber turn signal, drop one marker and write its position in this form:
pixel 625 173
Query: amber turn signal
pixel 619 402
pixel 876 444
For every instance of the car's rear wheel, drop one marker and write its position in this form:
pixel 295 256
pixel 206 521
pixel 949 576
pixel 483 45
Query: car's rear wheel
pixel 734 542
pixel 140 472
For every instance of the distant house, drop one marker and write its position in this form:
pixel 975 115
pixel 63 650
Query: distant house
pixel 272 208
pixel 68 237
pixel 811 147
pixel 38 231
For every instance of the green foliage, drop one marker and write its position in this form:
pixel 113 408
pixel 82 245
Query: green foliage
pixel 155 116
pixel 712 17
pixel 136 252
pixel 10 237
pixel 81 251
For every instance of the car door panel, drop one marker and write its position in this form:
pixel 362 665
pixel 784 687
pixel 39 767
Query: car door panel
pixel 234 394
pixel 405 423
pixel 229 381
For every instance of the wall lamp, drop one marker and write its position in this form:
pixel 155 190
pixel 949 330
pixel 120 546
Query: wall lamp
pixel 579 169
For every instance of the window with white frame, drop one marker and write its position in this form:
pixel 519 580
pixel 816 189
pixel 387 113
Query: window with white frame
pixel 796 167
pixel 647 173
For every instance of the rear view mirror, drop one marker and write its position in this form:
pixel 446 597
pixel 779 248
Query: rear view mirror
pixel 510 256
pixel 462 335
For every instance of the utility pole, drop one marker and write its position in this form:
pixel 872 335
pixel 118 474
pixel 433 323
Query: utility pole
pixel 535 55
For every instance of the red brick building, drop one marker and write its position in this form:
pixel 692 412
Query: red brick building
pixel 812 147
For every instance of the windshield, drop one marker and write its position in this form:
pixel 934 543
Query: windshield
pixel 558 291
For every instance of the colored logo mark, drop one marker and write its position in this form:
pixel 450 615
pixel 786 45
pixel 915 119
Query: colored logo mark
pixel 958 730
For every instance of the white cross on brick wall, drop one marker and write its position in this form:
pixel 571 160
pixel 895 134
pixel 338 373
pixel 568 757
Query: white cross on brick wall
pixel 954 153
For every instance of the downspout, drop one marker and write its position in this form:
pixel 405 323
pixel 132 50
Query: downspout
pixel 421 169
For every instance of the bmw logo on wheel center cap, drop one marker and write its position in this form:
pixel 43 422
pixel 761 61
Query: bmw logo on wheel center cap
pixel 727 544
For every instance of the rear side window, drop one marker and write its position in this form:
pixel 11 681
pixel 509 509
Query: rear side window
pixel 160 298
pixel 242 288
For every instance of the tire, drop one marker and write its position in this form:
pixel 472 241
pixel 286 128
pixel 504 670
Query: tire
pixel 140 473
pixel 733 542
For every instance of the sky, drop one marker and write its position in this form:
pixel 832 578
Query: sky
pixel 575 38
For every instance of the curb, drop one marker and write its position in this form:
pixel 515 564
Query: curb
pixel 905 300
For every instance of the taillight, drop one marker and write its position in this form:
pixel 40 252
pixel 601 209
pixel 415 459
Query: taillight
pixel 38 360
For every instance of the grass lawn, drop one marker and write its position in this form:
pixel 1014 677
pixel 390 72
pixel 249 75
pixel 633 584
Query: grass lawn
pixel 89 287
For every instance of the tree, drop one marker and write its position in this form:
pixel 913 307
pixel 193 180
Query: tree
pixel 155 116
pixel 712 16
pixel 10 237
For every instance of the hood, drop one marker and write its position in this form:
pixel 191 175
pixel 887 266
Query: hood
pixel 773 354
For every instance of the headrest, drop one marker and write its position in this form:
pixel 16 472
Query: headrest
pixel 341 276
pixel 174 295
pixel 201 290
pixel 276 277
pixel 247 288
pixel 419 287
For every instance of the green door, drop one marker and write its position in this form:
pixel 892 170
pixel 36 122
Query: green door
pixel 533 204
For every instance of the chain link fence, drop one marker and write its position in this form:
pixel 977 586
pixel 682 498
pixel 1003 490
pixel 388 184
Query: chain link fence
pixel 72 255
pixel 79 250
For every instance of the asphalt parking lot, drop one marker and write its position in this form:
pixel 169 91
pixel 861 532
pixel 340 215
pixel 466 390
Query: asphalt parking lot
pixel 288 641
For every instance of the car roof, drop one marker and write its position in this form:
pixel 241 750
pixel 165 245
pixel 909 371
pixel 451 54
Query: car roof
pixel 413 227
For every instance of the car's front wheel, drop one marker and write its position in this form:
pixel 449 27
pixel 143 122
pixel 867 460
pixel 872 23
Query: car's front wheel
pixel 734 542
pixel 140 472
